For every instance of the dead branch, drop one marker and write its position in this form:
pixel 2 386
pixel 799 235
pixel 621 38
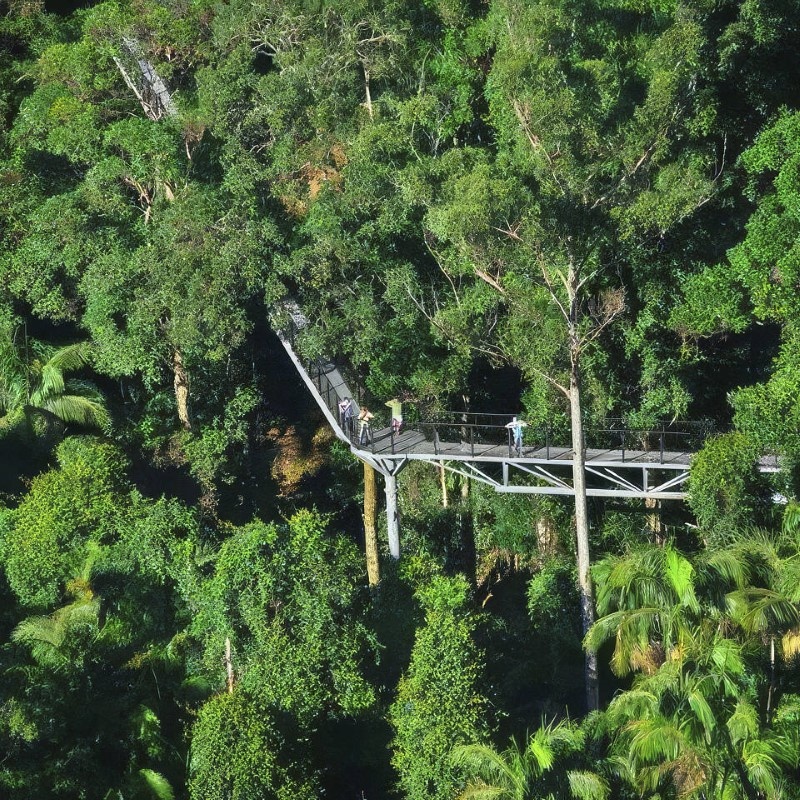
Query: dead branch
pixel 143 80
pixel 427 236
pixel 535 142
pixel 603 310
pixel 490 280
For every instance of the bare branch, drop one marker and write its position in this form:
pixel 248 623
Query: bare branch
pixel 604 310
pixel 490 280
pixel 535 142
pixel 148 87
pixel 549 284
pixel 426 236
pixel 511 232
pixel 627 176
pixel 494 353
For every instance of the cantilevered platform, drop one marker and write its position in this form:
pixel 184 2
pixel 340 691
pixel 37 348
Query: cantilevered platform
pixel 619 462
pixel 538 469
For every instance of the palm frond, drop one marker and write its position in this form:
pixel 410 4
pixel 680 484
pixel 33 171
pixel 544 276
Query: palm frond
pixel 50 382
pixel 789 578
pixel 489 768
pixel 632 631
pixel 761 766
pixel 725 566
pixel 38 629
pixel 790 643
pixel 726 656
pixel 791 517
pixel 158 785
pixel 680 573
pixel 636 703
pixel 743 723
pixel 540 747
pixel 619 765
pixel 482 791
pixel 656 740
pixel 587 785
pixel 44 637
pixel 703 713
pixel 71 357
pixel 77 410
pixel 766 609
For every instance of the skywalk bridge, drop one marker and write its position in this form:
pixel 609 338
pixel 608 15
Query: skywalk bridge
pixel 619 462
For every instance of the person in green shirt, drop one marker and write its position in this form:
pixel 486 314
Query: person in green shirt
pixel 397 414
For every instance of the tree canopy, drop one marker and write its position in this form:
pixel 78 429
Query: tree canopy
pixel 581 213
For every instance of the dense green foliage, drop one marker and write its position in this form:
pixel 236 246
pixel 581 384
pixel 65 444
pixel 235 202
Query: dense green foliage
pixel 494 206
pixel 437 704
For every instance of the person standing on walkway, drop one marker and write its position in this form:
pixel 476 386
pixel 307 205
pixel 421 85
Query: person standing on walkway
pixel 346 415
pixel 349 413
pixel 365 427
pixel 397 414
pixel 515 429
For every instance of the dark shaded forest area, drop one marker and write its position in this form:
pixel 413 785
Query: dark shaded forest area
pixel 570 210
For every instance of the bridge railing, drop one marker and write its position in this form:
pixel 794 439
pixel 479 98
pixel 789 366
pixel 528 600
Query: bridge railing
pixel 662 440
pixel 662 444
pixel 473 432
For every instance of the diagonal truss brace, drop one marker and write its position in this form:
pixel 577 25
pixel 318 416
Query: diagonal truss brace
pixel 467 469
pixel 620 486
pixel 537 471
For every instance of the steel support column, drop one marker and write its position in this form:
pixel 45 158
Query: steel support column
pixel 392 520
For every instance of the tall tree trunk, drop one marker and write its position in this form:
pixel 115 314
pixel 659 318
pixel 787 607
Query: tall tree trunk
pixel 654 522
pixel 546 536
pixel 367 92
pixel 579 483
pixel 392 521
pixel 771 689
pixel 181 389
pixel 443 484
pixel 229 664
pixel 370 526
pixel 582 534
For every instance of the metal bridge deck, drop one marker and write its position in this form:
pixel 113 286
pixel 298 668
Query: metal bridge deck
pixel 535 469
pixel 643 466
pixel 483 452
pixel 413 444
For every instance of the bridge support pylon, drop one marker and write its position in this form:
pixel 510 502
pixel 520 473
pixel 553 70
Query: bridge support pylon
pixel 392 518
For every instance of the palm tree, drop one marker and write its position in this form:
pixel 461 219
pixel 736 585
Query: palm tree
pixel 51 639
pixel 34 389
pixel 771 611
pixel 70 649
pixel 693 725
pixel 690 720
pixel 530 773
pixel 651 599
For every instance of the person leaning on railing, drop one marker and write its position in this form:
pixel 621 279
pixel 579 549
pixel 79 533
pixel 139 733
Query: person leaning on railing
pixel 365 427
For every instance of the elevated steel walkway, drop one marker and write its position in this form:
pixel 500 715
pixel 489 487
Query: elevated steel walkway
pixel 619 462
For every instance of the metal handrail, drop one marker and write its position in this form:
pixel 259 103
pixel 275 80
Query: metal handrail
pixel 478 428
